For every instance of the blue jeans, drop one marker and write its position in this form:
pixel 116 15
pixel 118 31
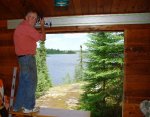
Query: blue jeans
pixel 27 83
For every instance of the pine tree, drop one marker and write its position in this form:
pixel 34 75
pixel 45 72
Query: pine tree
pixel 44 81
pixel 104 75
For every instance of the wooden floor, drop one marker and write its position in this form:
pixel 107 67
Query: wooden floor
pixel 49 112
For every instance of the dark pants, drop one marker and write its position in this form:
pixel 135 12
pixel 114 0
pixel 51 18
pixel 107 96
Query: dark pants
pixel 27 83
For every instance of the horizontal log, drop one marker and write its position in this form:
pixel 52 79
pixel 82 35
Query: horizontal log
pixel 135 100
pixel 6 43
pixel 139 60
pixel 137 48
pixel 10 54
pixel 137 36
pixel 7 48
pixel 142 60
pixel 3 24
pixel 6 35
pixel 137 93
pixel 137 69
pixel 137 54
pixel 138 78
pixel 138 85
pixel 132 110
pixel 9 63
pixel 8 69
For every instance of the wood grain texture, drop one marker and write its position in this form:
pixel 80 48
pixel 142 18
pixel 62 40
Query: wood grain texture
pixel 3 24
pixel 17 8
pixel 137 70
pixel 8 59
pixel 136 67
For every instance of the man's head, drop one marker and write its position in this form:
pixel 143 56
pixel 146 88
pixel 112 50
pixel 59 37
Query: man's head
pixel 31 17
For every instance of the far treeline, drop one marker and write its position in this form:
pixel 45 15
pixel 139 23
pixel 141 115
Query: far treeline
pixel 57 51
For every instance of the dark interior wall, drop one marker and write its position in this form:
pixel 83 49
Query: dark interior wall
pixel 137 70
pixel 137 62
pixel 8 59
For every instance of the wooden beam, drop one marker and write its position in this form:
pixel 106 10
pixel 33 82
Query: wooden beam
pixel 91 20
pixel 71 29
pixel 95 28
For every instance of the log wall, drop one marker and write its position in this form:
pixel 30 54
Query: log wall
pixel 8 59
pixel 137 70
pixel 137 61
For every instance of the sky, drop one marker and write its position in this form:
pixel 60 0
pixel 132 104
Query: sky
pixel 66 41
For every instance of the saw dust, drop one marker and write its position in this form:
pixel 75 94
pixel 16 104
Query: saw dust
pixel 64 96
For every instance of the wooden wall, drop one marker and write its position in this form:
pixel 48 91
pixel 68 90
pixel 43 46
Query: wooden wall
pixel 7 59
pixel 137 61
pixel 137 70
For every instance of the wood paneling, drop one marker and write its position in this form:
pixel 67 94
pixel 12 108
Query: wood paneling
pixel 17 8
pixel 8 59
pixel 137 61
pixel 77 6
pixel 137 70
pixel 137 40
pixel 3 24
pixel 135 110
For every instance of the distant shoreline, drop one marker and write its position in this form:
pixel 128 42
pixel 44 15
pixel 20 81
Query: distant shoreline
pixel 57 51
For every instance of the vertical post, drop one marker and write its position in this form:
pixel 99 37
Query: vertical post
pixel 81 63
pixel 81 56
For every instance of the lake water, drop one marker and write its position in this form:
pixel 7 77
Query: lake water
pixel 59 65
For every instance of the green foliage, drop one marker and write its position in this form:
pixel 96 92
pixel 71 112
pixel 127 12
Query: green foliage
pixel 104 75
pixel 57 51
pixel 44 81
pixel 78 73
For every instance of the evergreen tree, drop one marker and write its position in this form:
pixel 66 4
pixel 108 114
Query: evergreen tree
pixel 104 75
pixel 44 81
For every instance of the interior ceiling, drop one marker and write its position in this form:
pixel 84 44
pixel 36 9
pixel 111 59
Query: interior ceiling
pixel 15 9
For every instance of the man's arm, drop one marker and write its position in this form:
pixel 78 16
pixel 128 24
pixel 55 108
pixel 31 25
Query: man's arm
pixel 43 29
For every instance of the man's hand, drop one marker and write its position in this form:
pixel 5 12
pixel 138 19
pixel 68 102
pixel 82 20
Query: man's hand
pixel 42 22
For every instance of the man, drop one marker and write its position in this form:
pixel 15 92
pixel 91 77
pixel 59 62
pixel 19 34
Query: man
pixel 25 38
